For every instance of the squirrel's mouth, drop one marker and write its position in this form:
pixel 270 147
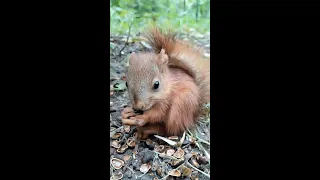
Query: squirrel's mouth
pixel 138 111
pixel 141 110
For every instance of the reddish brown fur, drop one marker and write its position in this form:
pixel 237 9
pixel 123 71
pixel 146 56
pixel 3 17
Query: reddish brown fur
pixel 185 84
pixel 184 56
pixel 184 103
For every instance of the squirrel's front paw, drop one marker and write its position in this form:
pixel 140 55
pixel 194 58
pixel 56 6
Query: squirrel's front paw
pixel 140 120
pixel 141 134
pixel 129 117
pixel 127 113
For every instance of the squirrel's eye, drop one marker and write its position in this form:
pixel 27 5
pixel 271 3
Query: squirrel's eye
pixel 156 85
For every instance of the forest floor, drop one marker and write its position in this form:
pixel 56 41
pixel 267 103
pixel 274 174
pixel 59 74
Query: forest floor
pixel 184 157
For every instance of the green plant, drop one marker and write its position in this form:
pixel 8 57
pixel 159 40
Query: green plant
pixel 180 15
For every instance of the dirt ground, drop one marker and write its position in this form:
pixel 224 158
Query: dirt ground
pixel 184 157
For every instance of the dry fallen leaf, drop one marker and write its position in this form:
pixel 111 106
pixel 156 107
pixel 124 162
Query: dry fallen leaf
pixel 186 171
pixel 176 162
pixel 175 173
pixel 194 162
pixel 172 143
pixel 115 144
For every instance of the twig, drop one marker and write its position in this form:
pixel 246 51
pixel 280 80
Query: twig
pixel 172 143
pixel 111 171
pixel 127 39
pixel 122 139
pixel 142 175
pixel 200 147
pixel 201 140
pixel 198 128
pixel 205 152
pixel 155 157
pixel 197 137
pixel 189 132
pixel 198 170
pixel 182 139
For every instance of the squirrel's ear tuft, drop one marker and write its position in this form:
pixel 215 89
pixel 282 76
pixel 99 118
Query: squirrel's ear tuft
pixel 162 61
pixel 163 58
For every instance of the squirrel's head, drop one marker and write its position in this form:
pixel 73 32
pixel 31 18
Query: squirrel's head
pixel 147 79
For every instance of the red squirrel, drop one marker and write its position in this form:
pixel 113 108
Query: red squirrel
pixel 170 86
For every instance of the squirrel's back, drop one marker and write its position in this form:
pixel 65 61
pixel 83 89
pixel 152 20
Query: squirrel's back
pixel 184 56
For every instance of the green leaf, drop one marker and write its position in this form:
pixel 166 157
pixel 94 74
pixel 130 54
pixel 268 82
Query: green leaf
pixel 111 45
pixel 120 86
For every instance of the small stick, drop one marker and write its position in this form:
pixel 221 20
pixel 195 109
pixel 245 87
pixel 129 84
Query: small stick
pixel 142 175
pixel 172 143
pixel 127 39
pixel 131 171
pixel 182 139
pixel 197 137
pixel 205 152
pixel 201 140
pixel 198 170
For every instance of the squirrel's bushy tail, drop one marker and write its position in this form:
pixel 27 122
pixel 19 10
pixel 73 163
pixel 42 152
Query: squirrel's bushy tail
pixel 184 56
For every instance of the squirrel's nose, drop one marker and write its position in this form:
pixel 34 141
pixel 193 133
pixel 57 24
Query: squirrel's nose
pixel 139 105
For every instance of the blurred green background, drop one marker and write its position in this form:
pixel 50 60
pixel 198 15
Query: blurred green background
pixel 179 15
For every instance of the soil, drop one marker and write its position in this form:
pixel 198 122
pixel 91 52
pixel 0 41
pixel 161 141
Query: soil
pixel 142 156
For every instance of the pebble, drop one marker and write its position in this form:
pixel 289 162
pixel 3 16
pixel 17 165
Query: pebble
pixel 147 177
pixel 128 173
pixel 147 156
pixel 136 165
pixel 150 146
pixel 119 118
pixel 112 150
pixel 126 135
